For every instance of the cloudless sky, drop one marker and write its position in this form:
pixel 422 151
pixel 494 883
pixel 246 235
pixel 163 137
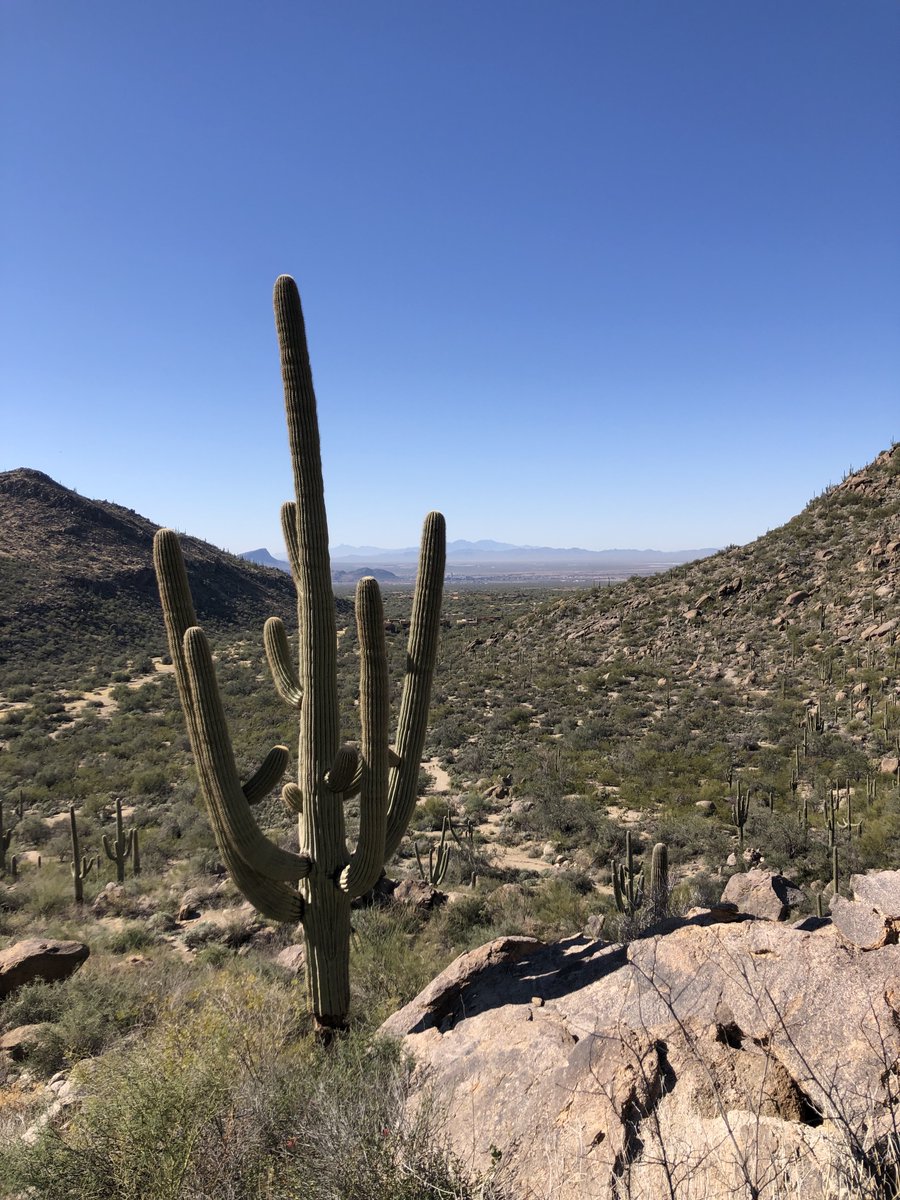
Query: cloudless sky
pixel 585 272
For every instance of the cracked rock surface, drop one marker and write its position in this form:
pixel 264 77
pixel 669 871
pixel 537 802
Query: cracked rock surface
pixel 713 1060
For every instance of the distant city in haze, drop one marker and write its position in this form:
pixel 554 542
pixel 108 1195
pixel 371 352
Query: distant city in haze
pixel 486 559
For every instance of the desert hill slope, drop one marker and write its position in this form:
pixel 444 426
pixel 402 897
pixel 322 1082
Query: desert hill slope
pixel 825 584
pixel 76 577
pixel 771 668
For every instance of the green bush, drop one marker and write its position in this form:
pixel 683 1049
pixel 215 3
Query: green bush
pixel 228 1099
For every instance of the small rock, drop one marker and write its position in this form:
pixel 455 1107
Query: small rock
pixel 862 925
pixel 594 926
pixel 109 900
pixel 418 893
pixel 881 890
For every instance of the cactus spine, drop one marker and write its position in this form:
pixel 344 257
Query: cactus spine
pixel 81 864
pixel 328 873
pixel 120 850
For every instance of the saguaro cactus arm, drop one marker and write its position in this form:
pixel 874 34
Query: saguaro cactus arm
pixel 225 800
pixel 268 775
pixel 367 862
pixel 421 653
pixel 278 652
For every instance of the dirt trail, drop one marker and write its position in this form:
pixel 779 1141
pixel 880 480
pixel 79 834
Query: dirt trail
pixel 440 780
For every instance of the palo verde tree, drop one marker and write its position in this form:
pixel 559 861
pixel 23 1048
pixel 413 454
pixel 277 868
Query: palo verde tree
pixel 314 887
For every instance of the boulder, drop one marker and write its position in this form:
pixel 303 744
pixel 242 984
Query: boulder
pixel 712 1061
pixel 292 959
pixel 22 1041
pixel 39 958
pixel 762 894
pixel 418 893
pixel 595 925
pixel 872 918
pixel 706 808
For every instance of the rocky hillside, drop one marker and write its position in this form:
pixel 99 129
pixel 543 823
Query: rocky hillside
pixel 769 670
pixel 821 588
pixel 76 578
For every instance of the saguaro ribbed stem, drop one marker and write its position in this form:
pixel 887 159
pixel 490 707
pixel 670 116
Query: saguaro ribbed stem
pixel 327 876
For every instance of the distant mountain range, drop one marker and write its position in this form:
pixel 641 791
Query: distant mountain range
pixel 353 561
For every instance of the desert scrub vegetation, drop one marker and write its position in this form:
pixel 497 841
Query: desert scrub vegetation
pixel 228 1095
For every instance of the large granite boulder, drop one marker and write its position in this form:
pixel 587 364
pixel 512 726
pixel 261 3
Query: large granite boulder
pixel 763 894
pixel 38 958
pixel 872 918
pixel 706 1062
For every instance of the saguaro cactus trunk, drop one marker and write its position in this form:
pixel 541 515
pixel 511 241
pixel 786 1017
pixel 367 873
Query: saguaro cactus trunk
pixel 316 885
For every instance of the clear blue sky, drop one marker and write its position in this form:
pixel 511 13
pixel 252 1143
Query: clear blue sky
pixel 590 272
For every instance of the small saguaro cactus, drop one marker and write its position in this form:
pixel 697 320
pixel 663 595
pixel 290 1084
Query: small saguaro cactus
pixel 438 858
pixel 659 881
pixel 81 864
pixel 740 810
pixel 5 836
pixel 628 882
pixel 120 850
pixel 316 886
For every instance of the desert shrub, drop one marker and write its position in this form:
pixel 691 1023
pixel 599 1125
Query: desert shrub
pixel 559 906
pixel 132 938
pixel 390 962
pixel 225 1100
pixel 429 814
pixel 467 923
pixel 88 1011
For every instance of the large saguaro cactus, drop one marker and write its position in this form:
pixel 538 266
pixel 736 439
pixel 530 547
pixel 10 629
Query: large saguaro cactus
pixel 316 885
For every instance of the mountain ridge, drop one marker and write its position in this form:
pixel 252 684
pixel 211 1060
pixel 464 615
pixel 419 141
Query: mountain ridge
pixel 77 574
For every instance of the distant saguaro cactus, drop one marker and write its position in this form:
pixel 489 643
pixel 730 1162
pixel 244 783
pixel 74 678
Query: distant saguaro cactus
pixel 628 882
pixel 119 851
pixel 659 881
pixel 328 873
pixel 438 857
pixel 740 810
pixel 81 863
pixel 5 838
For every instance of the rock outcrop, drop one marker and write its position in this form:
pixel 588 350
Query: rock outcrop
pixel 706 1062
pixel 872 918
pixel 762 894
pixel 38 958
